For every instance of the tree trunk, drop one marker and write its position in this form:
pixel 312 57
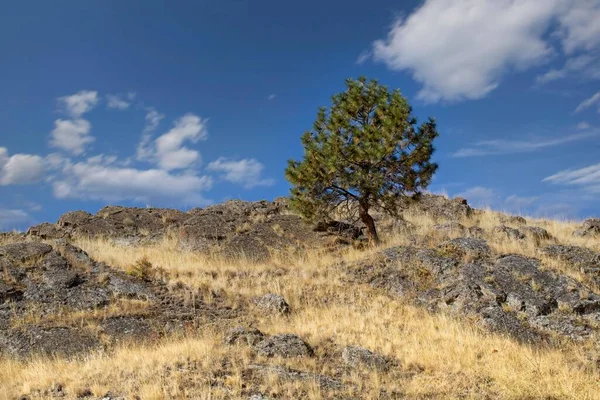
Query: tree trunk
pixel 366 218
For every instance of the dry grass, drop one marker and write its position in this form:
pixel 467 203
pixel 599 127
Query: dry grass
pixel 439 356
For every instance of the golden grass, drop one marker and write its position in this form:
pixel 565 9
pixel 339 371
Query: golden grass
pixel 440 356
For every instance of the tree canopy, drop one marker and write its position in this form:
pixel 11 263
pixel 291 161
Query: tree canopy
pixel 364 152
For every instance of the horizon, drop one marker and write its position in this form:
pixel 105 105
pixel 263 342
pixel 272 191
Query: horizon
pixel 142 104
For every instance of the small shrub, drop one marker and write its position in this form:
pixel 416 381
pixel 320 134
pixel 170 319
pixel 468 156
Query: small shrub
pixel 143 269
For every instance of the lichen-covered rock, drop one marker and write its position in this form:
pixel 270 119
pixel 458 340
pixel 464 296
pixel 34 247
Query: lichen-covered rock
pixel 466 247
pixel 46 231
pixel 536 233
pixel 25 251
pixel 589 228
pixel 355 356
pixel 508 232
pixel 512 219
pixel 285 345
pixel 43 283
pixel 442 208
pixel 574 255
pixel 47 341
pixel 450 227
pixel 244 336
pixel 272 304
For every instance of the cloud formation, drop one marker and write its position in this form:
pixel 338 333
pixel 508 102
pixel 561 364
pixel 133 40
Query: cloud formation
pixel 170 151
pixel 503 146
pixel 79 103
pixel 587 103
pixel 20 168
pixel 71 135
pixel 460 49
pixel 100 180
pixel 119 102
pixel 587 178
pixel 246 172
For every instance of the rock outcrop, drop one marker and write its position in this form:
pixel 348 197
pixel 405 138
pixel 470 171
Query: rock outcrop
pixel 510 294
pixel 56 300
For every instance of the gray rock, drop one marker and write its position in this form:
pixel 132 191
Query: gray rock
pixel 55 341
pixel 470 247
pixel 476 232
pixel 244 336
pixel 536 233
pixel 285 345
pixel 508 232
pixel 25 251
pixel 450 227
pixel 272 304
pixel 581 257
pixel 354 356
pixel 513 219
pixel 589 228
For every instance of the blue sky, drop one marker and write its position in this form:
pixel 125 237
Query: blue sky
pixel 183 104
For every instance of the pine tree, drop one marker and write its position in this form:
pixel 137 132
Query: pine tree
pixel 365 152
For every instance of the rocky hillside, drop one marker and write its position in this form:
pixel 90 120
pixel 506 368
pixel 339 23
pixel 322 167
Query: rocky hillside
pixel 277 308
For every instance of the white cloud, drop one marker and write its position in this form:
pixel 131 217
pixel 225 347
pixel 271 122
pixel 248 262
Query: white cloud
pixel 13 218
pixel 71 135
pixel 587 103
pixel 79 103
pixel 119 102
pixel 20 168
pixel 583 125
pixel 272 96
pixel 502 146
pixel 170 151
pixel 246 172
pixel 363 57
pixel 580 20
pixel 144 150
pixel 102 181
pixel 584 66
pixel 459 49
pixel 519 203
pixel 587 178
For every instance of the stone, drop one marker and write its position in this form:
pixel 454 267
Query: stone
pixel 589 228
pixel 25 251
pixel 354 356
pixel 508 232
pixel 272 304
pixel 469 247
pixel 245 336
pixel 536 233
pixel 450 227
pixel 285 345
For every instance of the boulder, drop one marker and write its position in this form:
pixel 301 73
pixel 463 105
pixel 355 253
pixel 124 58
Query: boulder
pixel 285 345
pixel 355 356
pixel 508 232
pixel 244 336
pixel 589 228
pixel 536 233
pixel 466 247
pixel 272 304
pixel 442 208
pixel 512 219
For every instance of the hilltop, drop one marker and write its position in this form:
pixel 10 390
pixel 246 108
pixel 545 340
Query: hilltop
pixel 246 300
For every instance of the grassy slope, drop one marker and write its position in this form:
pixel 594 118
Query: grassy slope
pixel 440 356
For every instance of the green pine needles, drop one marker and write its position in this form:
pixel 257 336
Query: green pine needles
pixel 365 152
